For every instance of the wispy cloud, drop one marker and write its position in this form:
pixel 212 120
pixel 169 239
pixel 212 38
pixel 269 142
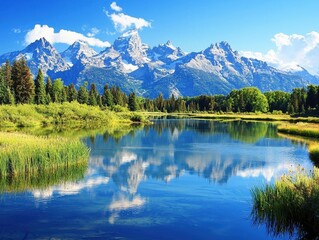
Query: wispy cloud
pixel 115 7
pixel 16 30
pixel 123 22
pixel 93 32
pixel 62 36
pixel 292 50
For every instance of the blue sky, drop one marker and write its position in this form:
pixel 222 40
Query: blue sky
pixel 248 25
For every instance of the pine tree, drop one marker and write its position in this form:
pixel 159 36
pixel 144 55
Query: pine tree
pixel 83 94
pixel 132 102
pixel 57 91
pixel 107 98
pixel 64 94
pixel 40 94
pixel 49 90
pixel 22 82
pixel 7 75
pixel 3 89
pixel 72 93
pixel 10 97
pixel 93 95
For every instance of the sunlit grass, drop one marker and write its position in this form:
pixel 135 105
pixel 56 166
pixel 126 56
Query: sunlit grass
pixel 291 205
pixel 66 114
pixel 314 153
pixel 302 129
pixel 22 154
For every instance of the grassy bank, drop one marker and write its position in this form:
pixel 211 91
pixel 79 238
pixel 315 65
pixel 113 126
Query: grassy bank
pixel 290 205
pixel 236 116
pixel 23 154
pixel 65 114
pixel 301 129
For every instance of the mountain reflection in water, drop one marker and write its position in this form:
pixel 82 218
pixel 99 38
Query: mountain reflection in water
pixel 185 178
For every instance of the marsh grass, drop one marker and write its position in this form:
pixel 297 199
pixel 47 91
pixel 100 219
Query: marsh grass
pixel 22 154
pixel 290 206
pixel 303 129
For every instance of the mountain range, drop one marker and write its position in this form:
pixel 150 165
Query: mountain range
pixel 148 71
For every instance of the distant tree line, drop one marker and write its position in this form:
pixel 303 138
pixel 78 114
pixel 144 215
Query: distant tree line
pixel 18 87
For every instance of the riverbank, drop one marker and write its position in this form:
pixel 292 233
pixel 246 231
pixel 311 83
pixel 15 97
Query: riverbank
pixel 235 116
pixel 66 114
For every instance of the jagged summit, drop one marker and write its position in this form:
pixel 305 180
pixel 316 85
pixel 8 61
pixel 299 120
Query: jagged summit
pixel 134 66
pixel 39 54
pixel 78 50
pixel 40 44
pixel 131 48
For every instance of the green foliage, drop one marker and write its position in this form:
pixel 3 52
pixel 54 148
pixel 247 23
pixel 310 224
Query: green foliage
pixel 72 93
pixel 138 118
pixel 40 94
pixel 23 84
pixel 248 99
pixel 132 102
pixel 278 101
pixel 83 94
pixel 312 100
pixel 49 90
pixel 298 100
pixel 107 98
pixel 93 96
pixel 119 98
pixel 57 91
pixel 7 75
pixel 66 114
pixel 3 90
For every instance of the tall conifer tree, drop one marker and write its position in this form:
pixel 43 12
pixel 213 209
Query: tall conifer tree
pixel 23 83
pixel 40 94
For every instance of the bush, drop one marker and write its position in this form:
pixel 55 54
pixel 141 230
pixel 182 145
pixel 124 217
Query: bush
pixel 137 118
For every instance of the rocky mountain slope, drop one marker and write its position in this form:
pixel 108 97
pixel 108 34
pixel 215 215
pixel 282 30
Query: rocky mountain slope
pixel 135 66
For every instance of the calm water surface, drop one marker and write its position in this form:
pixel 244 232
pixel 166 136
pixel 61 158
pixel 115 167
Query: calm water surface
pixel 177 179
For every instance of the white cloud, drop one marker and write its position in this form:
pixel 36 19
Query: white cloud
pixel 70 188
pixel 93 32
pixel 115 7
pixel 63 36
pixel 292 50
pixel 123 22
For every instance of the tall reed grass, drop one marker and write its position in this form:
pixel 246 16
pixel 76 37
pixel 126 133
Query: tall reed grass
pixel 22 154
pixel 291 205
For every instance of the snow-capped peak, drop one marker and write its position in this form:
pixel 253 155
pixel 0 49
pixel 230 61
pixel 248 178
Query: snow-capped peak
pixel 39 44
pixel 131 48
pixel 79 49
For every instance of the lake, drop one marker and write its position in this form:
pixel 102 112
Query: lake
pixel 175 179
